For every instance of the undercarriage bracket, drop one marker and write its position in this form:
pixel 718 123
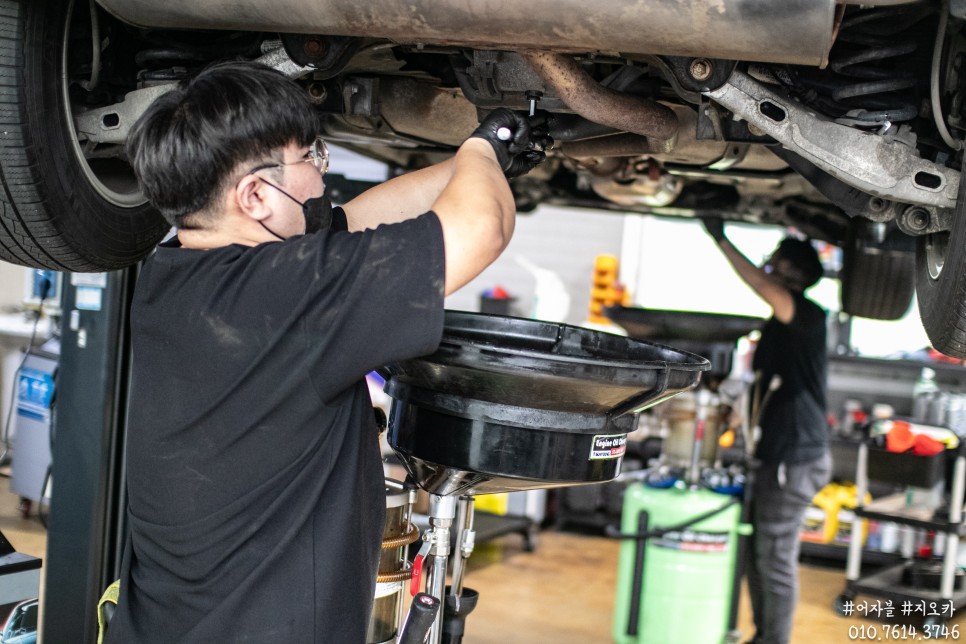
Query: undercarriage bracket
pixel 884 166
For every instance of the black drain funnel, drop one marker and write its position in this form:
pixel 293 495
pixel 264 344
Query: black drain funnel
pixel 511 404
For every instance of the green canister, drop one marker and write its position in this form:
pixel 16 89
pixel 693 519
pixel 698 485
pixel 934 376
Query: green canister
pixel 676 587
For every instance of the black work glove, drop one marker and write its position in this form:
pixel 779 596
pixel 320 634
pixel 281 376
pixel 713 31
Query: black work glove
pixel 540 138
pixel 715 228
pixel 516 131
pixel 524 163
pixel 534 155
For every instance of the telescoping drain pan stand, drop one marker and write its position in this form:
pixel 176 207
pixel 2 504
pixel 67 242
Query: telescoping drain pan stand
pixel 511 404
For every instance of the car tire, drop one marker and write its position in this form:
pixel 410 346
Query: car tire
pixel 57 210
pixel 941 283
pixel 878 280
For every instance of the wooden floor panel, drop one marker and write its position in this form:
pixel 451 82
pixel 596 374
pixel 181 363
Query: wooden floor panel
pixel 563 592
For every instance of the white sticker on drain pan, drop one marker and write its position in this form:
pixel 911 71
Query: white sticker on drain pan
pixel 608 446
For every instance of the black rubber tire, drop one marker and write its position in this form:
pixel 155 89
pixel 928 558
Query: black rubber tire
pixel 51 216
pixel 878 280
pixel 942 298
pixel 942 292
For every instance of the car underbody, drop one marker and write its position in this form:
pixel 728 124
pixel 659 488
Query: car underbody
pixel 842 121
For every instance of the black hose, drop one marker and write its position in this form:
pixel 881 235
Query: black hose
pixel 615 533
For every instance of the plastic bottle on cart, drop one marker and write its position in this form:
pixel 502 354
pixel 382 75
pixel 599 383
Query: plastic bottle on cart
pixel 939 544
pixel 907 541
pixel 850 411
pixel 954 407
pixel 889 536
pixel 923 392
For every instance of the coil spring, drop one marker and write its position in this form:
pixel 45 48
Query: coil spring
pixel 872 47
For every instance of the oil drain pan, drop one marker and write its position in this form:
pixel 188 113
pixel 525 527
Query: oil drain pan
pixel 511 404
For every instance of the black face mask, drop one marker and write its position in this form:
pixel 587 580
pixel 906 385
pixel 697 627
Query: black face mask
pixel 317 212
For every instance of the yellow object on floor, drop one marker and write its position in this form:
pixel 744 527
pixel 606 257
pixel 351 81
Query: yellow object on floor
pixel 829 518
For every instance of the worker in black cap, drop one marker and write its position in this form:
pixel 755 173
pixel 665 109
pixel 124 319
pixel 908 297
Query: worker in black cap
pixel 790 364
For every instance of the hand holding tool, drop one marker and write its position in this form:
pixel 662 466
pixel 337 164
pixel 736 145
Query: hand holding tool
pixel 508 133
pixel 524 163
pixel 534 155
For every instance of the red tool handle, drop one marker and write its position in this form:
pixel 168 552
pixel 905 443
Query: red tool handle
pixel 416 580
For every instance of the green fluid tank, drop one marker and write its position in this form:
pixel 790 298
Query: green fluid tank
pixel 677 588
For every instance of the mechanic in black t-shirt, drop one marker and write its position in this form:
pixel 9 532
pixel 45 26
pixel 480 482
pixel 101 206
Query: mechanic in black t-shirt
pixel 793 448
pixel 255 483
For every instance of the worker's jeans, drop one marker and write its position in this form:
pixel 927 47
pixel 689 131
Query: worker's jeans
pixel 780 496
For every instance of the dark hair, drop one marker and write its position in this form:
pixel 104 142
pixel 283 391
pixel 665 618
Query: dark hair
pixel 185 148
pixel 804 258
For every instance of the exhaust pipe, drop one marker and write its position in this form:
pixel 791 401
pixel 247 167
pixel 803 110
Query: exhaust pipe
pixel 797 32
pixel 581 93
pixel 615 145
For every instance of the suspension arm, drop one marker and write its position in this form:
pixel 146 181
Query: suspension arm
pixel 877 164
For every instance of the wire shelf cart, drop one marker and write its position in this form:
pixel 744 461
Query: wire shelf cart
pixel 891 583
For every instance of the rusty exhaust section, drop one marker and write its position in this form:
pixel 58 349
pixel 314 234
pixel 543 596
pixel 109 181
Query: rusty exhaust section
pixel 797 32
pixel 615 145
pixel 585 96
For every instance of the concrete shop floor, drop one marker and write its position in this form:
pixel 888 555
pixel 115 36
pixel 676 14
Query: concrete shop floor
pixel 563 592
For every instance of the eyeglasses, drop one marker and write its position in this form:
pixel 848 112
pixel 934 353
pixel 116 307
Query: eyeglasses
pixel 318 156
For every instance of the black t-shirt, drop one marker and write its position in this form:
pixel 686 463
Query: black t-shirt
pixel 794 427
pixel 256 490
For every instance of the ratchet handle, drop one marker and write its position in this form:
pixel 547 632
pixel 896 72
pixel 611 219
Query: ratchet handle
pixel 422 614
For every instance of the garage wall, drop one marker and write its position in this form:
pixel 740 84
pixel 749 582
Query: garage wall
pixel 14 333
pixel 563 241
pixel 11 286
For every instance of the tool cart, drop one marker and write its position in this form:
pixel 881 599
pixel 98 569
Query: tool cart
pixel 901 583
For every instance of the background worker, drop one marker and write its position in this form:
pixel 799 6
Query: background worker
pixel 793 449
pixel 255 482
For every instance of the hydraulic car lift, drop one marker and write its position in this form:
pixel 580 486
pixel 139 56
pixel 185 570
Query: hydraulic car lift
pixel 86 525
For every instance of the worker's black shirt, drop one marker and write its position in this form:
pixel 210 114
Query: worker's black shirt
pixel 257 496
pixel 794 427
